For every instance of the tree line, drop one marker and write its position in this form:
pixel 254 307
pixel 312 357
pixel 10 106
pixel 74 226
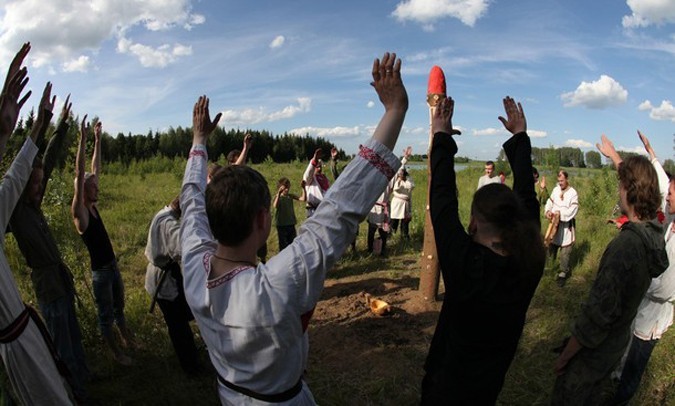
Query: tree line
pixel 176 142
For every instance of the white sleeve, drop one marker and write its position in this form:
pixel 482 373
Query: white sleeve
pixel 15 181
pixel 663 183
pixel 324 237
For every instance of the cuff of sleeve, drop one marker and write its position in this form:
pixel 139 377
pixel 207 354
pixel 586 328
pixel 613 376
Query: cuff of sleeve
pixel 380 157
pixel 198 150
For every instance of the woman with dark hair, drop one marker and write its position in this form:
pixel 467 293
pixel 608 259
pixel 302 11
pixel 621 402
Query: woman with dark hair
pixel 490 273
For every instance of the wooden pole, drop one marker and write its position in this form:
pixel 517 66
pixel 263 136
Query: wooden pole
pixel 430 270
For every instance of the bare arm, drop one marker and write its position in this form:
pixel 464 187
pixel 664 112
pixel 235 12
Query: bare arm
pixel 96 157
pixel 277 196
pixel 248 140
pixel 78 209
pixel 389 86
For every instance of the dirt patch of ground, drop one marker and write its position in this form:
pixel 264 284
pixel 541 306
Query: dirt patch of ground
pixel 361 358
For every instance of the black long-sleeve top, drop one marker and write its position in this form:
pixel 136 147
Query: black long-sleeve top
pixel 487 295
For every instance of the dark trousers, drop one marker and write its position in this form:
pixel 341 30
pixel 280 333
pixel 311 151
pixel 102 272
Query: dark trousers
pixel 372 228
pixel 636 363
pixel 286 236
pixel 177 316
pixel 404 226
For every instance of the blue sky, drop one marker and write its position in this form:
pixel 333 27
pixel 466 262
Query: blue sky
pixel 580 68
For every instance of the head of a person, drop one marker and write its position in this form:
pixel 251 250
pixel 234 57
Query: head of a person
pixel 498 209
pixel 232 156
pixel 175 206
pixel 33 192
pixel 489 168
pixel 213 168
pixel 563 179
pixel 639 188
pixel 90 188
pixel 535 174
pixel 403 174
pixel 671 195
pixel 286 183
pixel 237 205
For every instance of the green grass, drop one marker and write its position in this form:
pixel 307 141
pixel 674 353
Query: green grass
pixel 129 199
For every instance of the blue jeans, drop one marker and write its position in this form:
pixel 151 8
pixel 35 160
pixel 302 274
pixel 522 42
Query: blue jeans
pixel 109 295
pixel 636 363
pixel 62 324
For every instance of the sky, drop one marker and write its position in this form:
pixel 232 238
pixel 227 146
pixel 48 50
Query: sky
pixel 580 68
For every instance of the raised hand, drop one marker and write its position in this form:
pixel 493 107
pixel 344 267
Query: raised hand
pixel 65 111
pixel 202 125
pixel 387 82
pixel 15 66
pixel 85 128
pixel 248 141
pixel 441 119
pixel 333 153
pixel 47 103
pixel 606 148
pixel 317 155
pixel 407 152
pixel 98 129
pixel 10 101
pixel 515 116
pixel 648 146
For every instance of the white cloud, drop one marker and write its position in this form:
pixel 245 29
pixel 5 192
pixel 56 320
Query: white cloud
pixel 259 115
pixel 80 64
pixel 277 42
pixel 602 93
pixel 537 133
pixel 488 131
pixel 63 30
pixel 426 12
pixel 153 57
pixel 648 12
pixel 666 111
pixel 326 132
pixel 370 104
pixel 638 150
pixel 578 143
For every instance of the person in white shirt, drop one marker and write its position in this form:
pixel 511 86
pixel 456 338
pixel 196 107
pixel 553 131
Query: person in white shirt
pixel 489 175
pixel 253 317
pixel 565 200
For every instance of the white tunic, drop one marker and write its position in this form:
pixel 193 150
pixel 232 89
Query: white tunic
pixel 163 246
pixel 250 317
pixel 486 180
pixel 400 198
pixel 568 205
pixel 29 364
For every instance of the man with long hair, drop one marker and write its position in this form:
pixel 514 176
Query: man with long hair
pixel 637 254
pixel 490 273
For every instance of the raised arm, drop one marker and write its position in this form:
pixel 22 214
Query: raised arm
pixel 664 182
pixel 308 176
pixel 444 205
pixel 78 209
pixel 392 94
pixel 519 153
pixel 248 141
pixel 606 148
pixel 10 97
pixel 55 146
pixel 96 156
pixel 44 116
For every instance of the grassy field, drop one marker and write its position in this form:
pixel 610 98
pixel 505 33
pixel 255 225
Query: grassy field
pixel 130 197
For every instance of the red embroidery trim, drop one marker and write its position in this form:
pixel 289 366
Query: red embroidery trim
pixel 198 152
pixel 377 161
pixel 227 277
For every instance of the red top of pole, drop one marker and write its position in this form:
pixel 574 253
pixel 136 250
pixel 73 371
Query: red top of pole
pixel 436 81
